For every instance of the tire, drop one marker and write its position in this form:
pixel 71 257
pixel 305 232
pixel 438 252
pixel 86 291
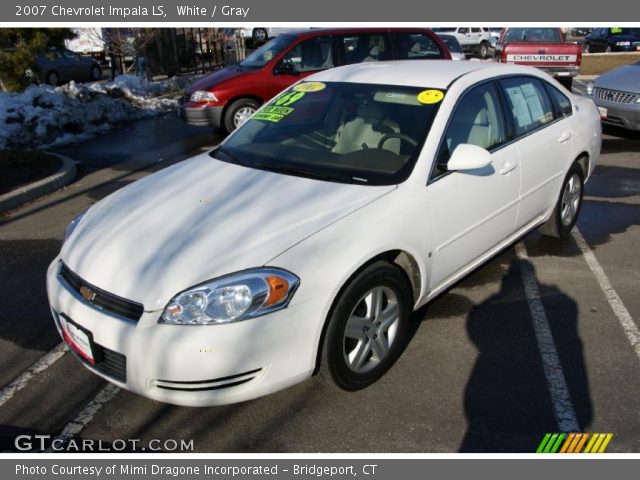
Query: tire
pixel 238 112
pixel 587 48
pixel 359 345
pixel 568 206
pixel 608 49
pixel 483 50
pixel 259 35
pixel 53 78
pixel 95 73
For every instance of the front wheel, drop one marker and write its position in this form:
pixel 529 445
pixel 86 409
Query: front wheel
pixel 565 214
pixel 367 327
pixel 95 73
pixel 239 112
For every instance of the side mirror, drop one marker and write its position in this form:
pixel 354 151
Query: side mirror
pixel 286 68
pixel 469 157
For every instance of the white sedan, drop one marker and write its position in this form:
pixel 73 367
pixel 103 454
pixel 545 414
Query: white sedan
pixel 304 241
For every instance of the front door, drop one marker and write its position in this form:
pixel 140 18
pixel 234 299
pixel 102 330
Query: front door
pixel 473 210
pixel 301 60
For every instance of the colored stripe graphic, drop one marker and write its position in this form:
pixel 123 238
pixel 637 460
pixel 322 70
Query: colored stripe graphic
pixel 574 443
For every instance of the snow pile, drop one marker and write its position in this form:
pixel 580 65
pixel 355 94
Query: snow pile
pixel 44 116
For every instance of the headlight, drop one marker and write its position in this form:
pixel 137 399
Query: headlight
pixel 638 99
pixel 623 44
pixel 73 224
pixel 590 89
pixel 202 96
pixel 232 298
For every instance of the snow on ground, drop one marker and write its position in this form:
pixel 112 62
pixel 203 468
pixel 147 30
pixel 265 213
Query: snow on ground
pixel 44 116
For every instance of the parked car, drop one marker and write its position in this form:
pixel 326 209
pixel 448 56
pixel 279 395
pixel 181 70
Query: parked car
pixel 228 97
pixel 617 95
pixel 453 45
pixel 474 40
pixel 61 66
pixel 495 33
pixel 304 241
pixel 614 39
pixel 544 48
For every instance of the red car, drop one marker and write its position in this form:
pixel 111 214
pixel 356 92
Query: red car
pixel 226 98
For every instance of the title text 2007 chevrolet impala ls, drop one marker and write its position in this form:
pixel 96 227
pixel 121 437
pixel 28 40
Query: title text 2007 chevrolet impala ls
pixel 305 240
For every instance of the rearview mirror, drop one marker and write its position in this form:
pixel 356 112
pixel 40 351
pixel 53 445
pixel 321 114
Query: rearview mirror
pixel 469 157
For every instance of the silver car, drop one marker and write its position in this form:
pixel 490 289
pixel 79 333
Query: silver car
pixel 61 66
pixel 617 95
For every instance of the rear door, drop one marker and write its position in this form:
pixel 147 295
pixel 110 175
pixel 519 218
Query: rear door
pixel 543 139
pixel 415 45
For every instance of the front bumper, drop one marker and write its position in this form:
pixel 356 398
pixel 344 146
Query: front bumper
pixel 199 365
pixel 626 115
pixel 201 116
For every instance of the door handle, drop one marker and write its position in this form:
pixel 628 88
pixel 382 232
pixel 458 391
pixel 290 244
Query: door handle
pixel 564 137
pixel 507 166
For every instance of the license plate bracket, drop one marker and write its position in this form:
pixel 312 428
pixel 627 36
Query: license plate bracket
pixel 603 112
pixel 78 338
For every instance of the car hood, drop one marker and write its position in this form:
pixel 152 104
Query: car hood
pixel 217 77
pixel 198 220
pixel 625 78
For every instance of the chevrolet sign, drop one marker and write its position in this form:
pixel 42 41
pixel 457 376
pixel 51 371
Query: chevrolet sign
pixel 541 58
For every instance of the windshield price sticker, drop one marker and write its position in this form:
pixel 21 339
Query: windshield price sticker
pixel 272 113
pixel 429 97
pixel 309 87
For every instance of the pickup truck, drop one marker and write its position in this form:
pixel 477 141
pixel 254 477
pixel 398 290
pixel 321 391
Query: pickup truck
pixel 544 48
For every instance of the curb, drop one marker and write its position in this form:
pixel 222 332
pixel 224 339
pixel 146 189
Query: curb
pixel 29 192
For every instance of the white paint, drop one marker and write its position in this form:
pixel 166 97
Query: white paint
pixel 624 317
pixel 23 379
pixel 79 423
pixel 556 382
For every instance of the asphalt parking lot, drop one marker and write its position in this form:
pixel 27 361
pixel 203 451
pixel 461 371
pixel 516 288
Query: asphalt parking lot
pixel 543 335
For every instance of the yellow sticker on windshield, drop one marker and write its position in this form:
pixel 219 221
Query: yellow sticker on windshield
pixel 427 97
pixel 309 87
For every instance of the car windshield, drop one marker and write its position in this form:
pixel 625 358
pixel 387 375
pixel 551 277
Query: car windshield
pixel 625 31
pixel 452 43
pixel 265 53
pixel 334 131
pixel 533 35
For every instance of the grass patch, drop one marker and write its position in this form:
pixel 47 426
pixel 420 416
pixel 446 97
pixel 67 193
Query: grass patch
pixel 599 63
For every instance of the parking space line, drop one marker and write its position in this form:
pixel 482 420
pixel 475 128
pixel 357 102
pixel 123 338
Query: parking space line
pixel 615 302
pixel 79 423
pixel 40 366
pixel 556 381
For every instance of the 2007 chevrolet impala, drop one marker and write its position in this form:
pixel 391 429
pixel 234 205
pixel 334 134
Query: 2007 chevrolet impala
pixel 303 242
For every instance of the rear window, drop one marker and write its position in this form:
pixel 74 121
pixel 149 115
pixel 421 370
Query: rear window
pixel 532 35
pixel 528 103
pixel 409 45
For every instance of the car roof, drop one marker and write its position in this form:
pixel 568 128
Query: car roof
pixel 342 30
pixel 428 73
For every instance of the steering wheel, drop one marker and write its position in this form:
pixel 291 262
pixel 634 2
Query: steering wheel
pixel 401 136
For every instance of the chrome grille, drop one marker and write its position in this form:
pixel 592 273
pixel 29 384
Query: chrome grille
pixel 614 95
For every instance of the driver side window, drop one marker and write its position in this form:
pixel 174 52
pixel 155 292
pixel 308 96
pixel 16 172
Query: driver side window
pixel 312 54
pixel 477 119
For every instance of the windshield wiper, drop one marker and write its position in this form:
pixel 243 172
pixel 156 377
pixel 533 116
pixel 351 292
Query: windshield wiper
pixel 302 172
pixel 231 156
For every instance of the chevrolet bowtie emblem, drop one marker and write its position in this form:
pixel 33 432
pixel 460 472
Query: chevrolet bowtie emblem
pixel 88 294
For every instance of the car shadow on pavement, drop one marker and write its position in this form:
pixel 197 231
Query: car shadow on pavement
pixel 507 401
